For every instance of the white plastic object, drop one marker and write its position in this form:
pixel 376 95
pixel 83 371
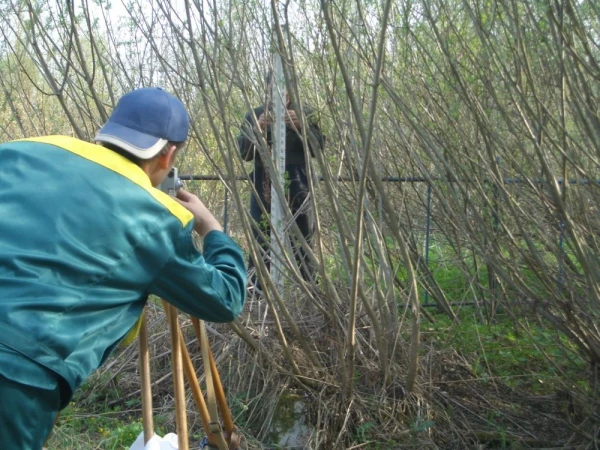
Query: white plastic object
pixel 168 442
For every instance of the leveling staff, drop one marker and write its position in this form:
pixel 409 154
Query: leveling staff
pixel 84 238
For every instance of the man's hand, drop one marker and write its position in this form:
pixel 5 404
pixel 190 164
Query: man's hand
pixel 205 221
pixel 263 121
pixel 291 119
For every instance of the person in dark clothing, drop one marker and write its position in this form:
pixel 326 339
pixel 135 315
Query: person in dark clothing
pixel 258 122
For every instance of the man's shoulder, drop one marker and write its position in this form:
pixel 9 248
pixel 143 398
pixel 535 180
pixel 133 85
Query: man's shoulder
pixel 56 140
pixel 308 109
pixel 254 112
pixel 311 114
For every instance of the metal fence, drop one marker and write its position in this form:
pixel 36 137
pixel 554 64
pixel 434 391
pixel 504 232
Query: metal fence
pixel 427 226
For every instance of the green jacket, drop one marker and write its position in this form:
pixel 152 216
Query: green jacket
pixel 84 239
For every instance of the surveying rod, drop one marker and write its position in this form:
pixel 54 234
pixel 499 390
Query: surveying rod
pixel 278 133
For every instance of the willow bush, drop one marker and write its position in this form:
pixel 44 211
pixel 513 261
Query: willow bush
pixel 490 108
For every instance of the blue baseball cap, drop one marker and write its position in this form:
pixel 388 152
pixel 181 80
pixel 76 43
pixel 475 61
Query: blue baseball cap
pixel 144 120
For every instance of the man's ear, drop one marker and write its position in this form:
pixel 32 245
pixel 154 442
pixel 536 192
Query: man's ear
pixel 167 158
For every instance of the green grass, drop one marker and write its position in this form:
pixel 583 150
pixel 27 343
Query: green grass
pixel 81 430
pixel 112 429
pixel 90 423
pixel 538 359
pixel 461 277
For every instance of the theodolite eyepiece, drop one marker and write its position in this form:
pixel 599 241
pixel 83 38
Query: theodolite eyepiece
pixel 172 183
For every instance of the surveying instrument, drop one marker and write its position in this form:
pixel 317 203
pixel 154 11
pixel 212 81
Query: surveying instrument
pixel 172 183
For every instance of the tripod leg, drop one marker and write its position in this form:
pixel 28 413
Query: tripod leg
pixel 196 391
pixel 213 375
pixel 147 418
pixel 178 384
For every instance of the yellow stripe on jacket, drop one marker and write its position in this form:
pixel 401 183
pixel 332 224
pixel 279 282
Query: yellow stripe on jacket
pixel 119 164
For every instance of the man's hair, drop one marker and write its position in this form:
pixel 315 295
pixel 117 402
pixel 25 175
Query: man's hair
pixel 139 161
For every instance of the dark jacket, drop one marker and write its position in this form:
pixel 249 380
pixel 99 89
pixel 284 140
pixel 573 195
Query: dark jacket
pixel 248 138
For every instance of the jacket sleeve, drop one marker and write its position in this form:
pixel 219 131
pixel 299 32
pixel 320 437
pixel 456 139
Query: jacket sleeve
pixel 209 285
pixel 246 138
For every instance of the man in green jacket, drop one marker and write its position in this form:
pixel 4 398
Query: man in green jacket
pixel 85 237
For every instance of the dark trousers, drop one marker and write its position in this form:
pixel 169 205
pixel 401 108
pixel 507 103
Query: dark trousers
pixel 26 414
pixel 297 190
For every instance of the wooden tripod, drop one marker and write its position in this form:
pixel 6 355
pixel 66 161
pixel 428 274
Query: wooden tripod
pixel 223 438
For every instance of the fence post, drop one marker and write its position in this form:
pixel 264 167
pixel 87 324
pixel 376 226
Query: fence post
pixel 495 226
pixel 561 242
pixel 427 230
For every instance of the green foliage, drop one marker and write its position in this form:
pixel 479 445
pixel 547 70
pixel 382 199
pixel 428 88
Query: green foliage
pixel 124 435
pixel 537 359
pixel 239 409
pixel 363 429
pixel 93 420
pixel 111 429
pixel 422 425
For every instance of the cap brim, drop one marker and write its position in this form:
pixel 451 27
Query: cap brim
pixel 139 144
